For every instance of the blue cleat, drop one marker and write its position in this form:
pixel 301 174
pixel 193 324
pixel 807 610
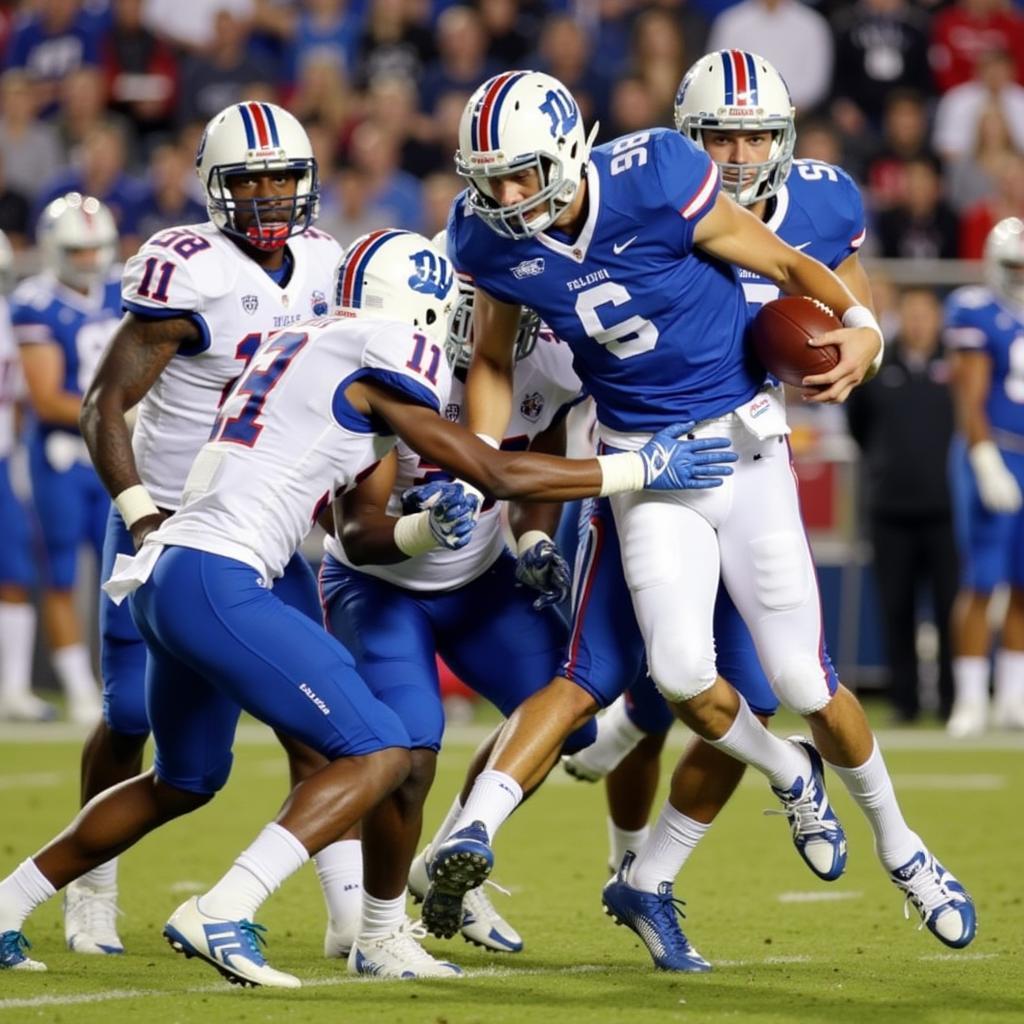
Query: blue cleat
pixel 12 953
pixel 946 908
pixel 817 834
pixel 462 862
pixel 230 947
pixel 655 918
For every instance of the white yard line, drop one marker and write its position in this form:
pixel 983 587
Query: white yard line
pixel 815 896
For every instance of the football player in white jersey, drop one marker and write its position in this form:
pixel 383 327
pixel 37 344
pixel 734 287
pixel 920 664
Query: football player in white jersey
pixel 199 300
pixel 17 573
pixel 318 407
pixel 62 319
pixel 397 613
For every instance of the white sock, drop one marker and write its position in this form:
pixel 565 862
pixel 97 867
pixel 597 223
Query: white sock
pixel 494 797
pixel 21 892
pixel 103 877
pixel 672 840
pixel 1009 676
pixel 381 917
pixel 448 824
pixel 340 870
pixel 616 737
pixel 273 856
pixel 970 679
pixel 74 670
pixel 749 741
pixel 871 786
pixel 620 840
pixel 17 640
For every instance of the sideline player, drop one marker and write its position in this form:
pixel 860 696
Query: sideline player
pixel 397 609
pixel 810 205
pixel 199 299
pixel 318 406
pixel 17 574
pixel 62 320
pixel 984 327
pixel 629 251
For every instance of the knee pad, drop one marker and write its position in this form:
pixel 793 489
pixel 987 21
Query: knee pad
pixel 781 564
pixel 680 671
pixel 803 684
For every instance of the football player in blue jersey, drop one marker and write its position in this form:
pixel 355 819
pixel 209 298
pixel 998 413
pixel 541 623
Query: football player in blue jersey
pixel 629 252
pixel 985 330
pixel 62 320
pixel 817 208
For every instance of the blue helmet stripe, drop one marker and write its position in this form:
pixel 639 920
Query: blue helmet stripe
pixel 268 113
pixel 496 109
pixel 250 131
pixel 357 283
pixel 752 78
pixel 730 87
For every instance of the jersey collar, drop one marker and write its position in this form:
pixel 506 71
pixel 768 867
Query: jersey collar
pixel 774 222
pixel 577 251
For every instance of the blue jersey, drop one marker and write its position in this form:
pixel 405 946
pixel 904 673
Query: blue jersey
pixel 978 320
pixel 44 312
pixel 819 211
pixel 656 327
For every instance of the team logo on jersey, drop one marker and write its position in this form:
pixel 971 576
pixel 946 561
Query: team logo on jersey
pixel 532 406
pixel 433 274
pixel 250 303
pixel 319 302
pixel 452 412
pixel 562 110
pixel 528 268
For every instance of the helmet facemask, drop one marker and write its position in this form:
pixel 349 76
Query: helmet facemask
pixel 1004 260
pixel 460 331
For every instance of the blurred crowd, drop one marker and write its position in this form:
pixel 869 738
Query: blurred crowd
pixel 922 102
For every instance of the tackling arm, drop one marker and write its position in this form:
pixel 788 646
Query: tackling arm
pixel 489 382
pixel 543 516
pixel 362 523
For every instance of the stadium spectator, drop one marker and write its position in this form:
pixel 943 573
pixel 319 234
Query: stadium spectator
pixel 392 43
pixel 14 222
pixel 904 137
pixel 964 31
pixel 346 207
pixel 325 29
pixel 880 45
pixel 191 25
pixel 462 59
pixel 83 108
pixel 503 23
pixel 49 42
pixel 793 37
pixel 1006 201
pixel 632 109
pixel 166 201
pixel 960 109
pixel 222 74
pixel 322 95
pixel 30 147
pixel 921 225
pixel 439 192
pixel 564 50
pixel 393 101
pixel 658 54
pixel 973 178
pixel 141 70
pixel 394 195
pixel 903 422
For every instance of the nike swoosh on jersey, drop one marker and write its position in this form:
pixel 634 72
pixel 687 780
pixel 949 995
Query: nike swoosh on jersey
pixel 801 246
pixel 619 248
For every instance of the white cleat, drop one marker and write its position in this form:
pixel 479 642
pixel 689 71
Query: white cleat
pixel 26 707
pixel 14 955
pixel 969 719
pixel 339 938
pixel 578 767
pixel 1008 714
pixel 400 956
pixel 231 947
pixel 90 919
pixel 482 925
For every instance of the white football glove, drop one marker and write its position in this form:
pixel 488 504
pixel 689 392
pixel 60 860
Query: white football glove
pixel 997 486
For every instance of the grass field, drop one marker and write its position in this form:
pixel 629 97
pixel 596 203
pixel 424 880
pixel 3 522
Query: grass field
pixel 785 946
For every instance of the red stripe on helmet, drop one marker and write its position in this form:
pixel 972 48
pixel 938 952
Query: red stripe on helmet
pixel 261 125
pixel 739 69
pixel 351 270
pixel 483 121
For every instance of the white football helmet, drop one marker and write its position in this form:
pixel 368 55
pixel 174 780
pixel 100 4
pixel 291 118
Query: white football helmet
pixel 460 331
pixel 248 138
pixel 1004 259
pixel 6 264
pixel 397 275
pixel 72 226
pixel 516 121
pixel 734 90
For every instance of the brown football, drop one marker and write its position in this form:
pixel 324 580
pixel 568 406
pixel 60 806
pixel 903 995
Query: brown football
pixel 781 331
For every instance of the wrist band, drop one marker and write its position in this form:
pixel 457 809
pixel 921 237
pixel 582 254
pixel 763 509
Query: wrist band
pixel 621 472
pixel 413 535
pixel 134 503
pixel 529 540
pixel 861 316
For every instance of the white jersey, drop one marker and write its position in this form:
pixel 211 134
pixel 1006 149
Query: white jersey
pixel 197 272
pixel 10 380
pixel 543 385
pixel 286 439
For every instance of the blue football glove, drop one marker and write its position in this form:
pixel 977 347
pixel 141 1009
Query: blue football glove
pixel 453 512
pixel 544 569
pixel 671 464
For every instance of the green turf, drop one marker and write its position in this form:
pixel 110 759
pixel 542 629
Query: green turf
pixel 854 960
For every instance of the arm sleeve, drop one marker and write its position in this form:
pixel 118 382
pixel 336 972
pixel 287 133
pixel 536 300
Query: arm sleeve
pixel 159 283
pixel 410 363
pixel 30 317
pixel 851 218
pixel 963 329
pixel 688 179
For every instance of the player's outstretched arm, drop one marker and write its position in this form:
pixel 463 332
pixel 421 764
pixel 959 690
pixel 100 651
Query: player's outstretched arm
pixel 489 382
pixel 734 234
pixel 664 463
pixel 134 358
